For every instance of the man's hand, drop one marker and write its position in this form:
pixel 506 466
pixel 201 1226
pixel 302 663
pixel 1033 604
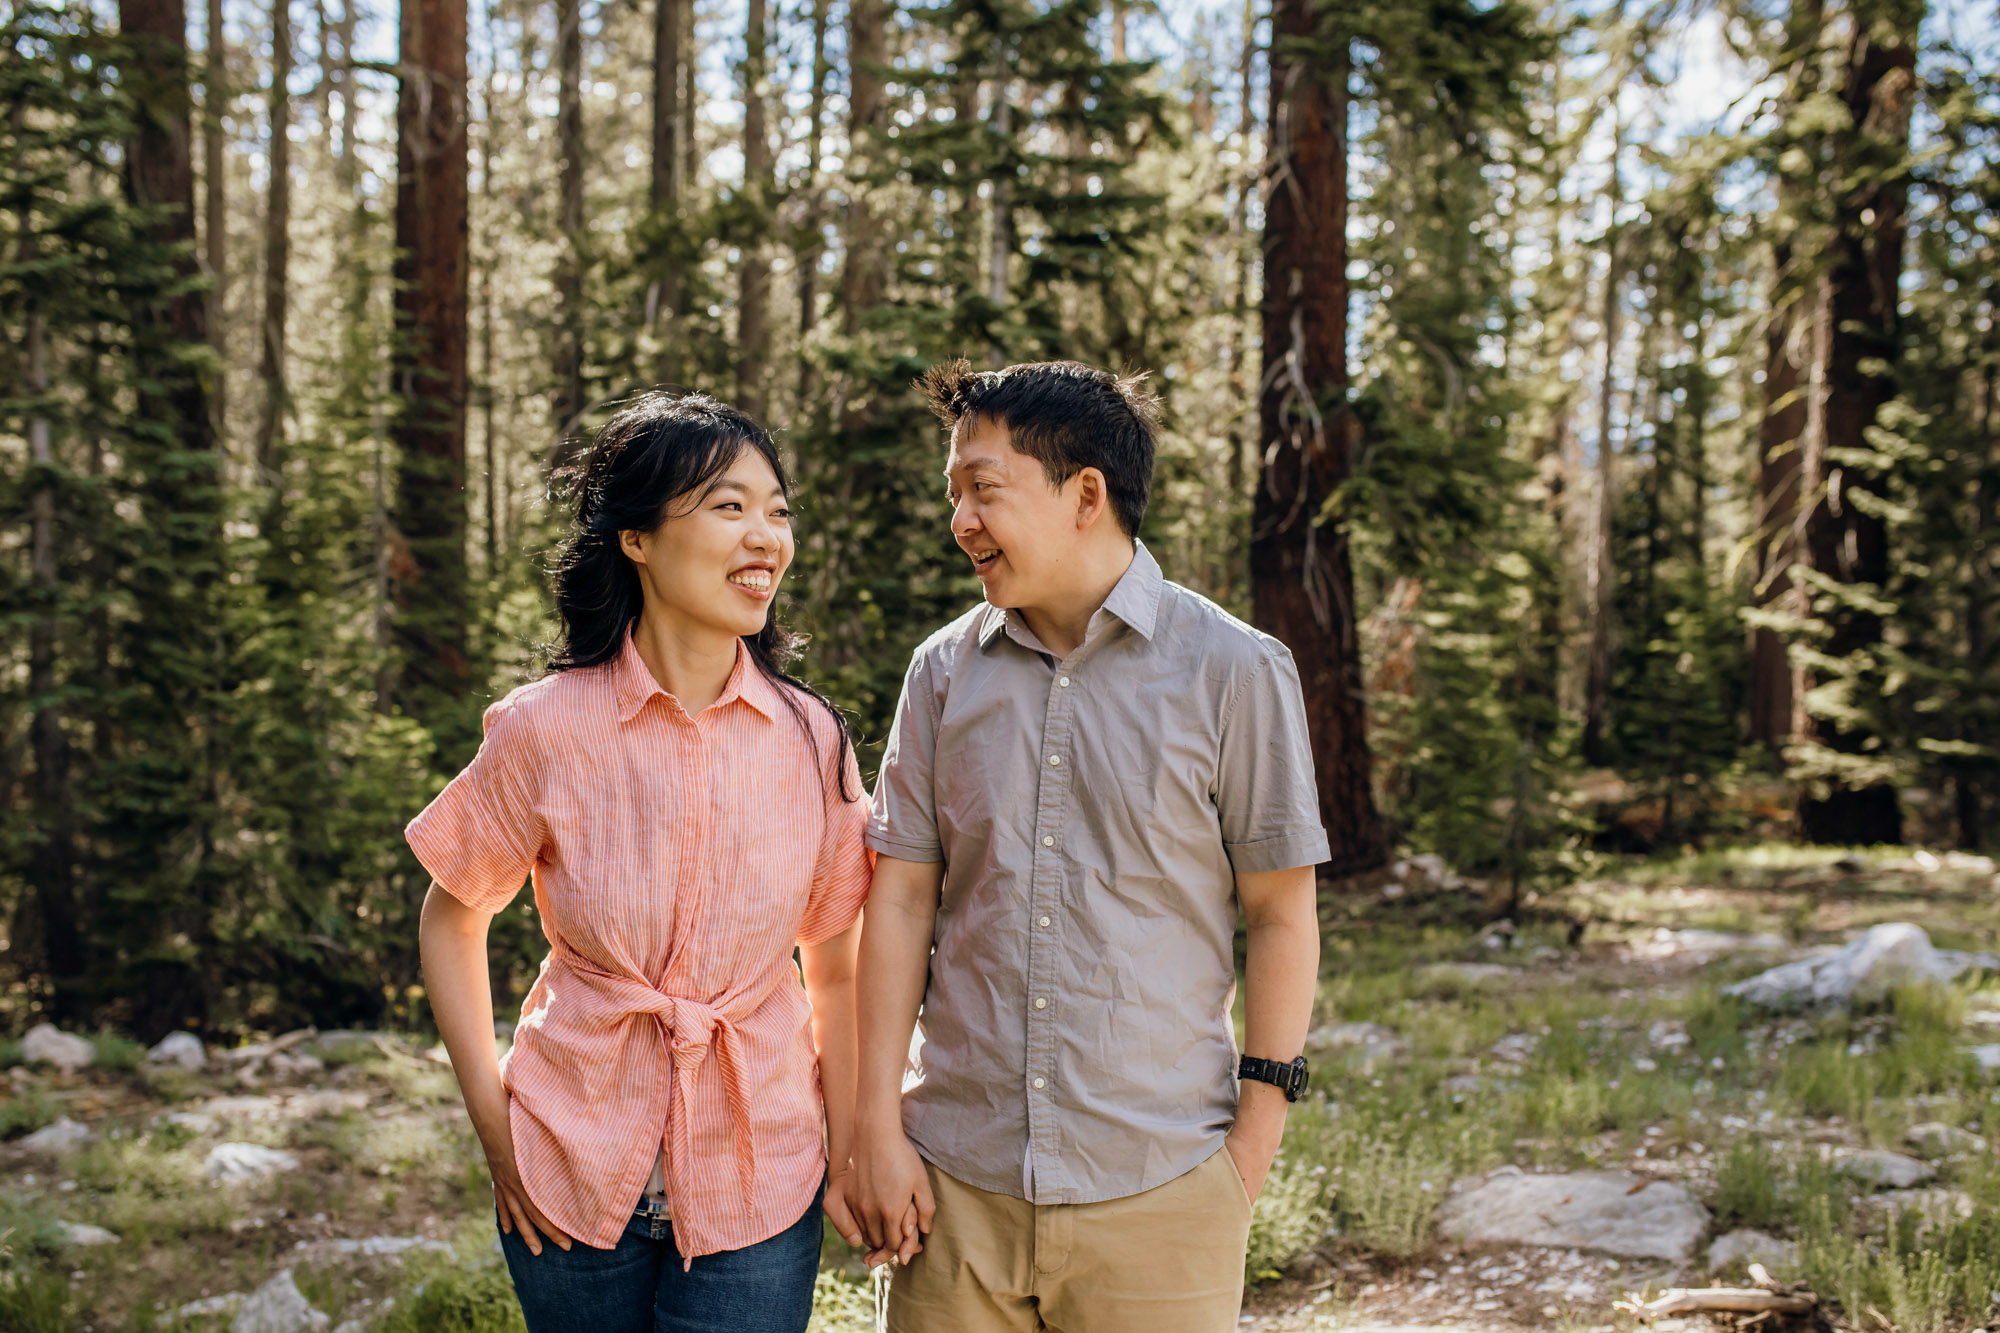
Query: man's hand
pixel 892 1196
pixel 1252 1150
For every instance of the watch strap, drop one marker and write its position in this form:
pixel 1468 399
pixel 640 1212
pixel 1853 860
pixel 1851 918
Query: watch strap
pixel 1290 1078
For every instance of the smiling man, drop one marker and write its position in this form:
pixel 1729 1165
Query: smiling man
pixel 1087 776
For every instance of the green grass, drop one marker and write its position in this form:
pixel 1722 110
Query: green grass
pixel 24 1113
pixel 447 1297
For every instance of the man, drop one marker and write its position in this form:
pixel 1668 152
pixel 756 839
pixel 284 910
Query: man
pixel 1087 773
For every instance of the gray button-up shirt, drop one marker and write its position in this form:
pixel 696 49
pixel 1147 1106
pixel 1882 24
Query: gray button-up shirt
pixel 1091 813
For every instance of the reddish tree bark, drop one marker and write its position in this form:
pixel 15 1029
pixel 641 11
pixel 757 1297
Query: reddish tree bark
pixel 428 563
pixel 1845 540
pixel 1302 586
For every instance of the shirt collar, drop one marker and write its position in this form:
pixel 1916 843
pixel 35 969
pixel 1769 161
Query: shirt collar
pixel 635 684
pixel 1134 599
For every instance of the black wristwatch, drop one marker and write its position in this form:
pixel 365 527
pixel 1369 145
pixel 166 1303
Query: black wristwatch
pixel 1290 1079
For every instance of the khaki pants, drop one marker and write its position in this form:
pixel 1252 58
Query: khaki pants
pixel 1166 1261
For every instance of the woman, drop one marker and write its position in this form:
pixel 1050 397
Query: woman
pixel 657 1137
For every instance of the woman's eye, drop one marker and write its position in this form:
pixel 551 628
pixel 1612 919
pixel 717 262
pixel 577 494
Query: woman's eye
pixel 730 504
pixel 785 514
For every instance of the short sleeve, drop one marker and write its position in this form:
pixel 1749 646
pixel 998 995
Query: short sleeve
pixel 903 822
pixel 1265 796
pixel 482 835
pixel 845 868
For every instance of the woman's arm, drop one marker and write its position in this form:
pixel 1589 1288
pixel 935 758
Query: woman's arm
pixel 828 969
pixel 451 939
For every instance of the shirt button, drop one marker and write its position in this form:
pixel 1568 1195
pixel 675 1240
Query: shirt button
pixel 1044 921
pixel 1063 681
pixel 1038 1083
pixel 1040 1003
pixel 1055 759
pixel 1048 841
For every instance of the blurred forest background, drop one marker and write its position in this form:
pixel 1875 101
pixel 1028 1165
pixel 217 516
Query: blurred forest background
pixel 1598 397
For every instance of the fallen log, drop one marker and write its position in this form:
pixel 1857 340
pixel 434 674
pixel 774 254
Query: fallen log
pixel 1718 1300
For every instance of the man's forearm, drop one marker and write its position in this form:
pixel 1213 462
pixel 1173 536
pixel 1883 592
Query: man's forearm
pixel 1280 982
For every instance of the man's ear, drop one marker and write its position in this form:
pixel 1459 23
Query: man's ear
pixel 1093 496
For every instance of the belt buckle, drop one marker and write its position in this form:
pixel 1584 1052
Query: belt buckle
pixel 651 1207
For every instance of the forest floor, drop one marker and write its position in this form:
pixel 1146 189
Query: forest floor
pixel 1594 1037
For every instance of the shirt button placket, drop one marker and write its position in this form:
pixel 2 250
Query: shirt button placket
pixel 1043 953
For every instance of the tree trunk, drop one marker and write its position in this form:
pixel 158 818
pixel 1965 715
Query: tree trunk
pixel 427 564
pixel 1603 576
pixel 52 863
pixel 865 278
pixel 277 252
pixel 488 435
pixel 1781 434
pixel 753 298
pixel 1000 239
pixel 215 217
pixel 669 111
pixel 1302 586
pixel 810 252
pixel 1846 538
pixel 569 256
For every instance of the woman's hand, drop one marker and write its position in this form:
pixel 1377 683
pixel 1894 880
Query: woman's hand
pixel 510 1197
pixel 839 1209
pixel 451 939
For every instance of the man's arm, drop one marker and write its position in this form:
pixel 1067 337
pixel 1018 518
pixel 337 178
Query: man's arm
pixel 1280 979
pixel 892 1196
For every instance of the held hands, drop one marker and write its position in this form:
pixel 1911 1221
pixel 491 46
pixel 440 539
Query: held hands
pixel 891 1197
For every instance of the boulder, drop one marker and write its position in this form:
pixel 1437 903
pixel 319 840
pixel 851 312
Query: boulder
pixel 1368 1043
pixel 63 1135
pixel 1515 1048
pixel 1937 1139
pixel 1883 1170
pixel 1613 1212
pixel 1731 1254
pixel 278 1307
pixel 1986 1057
pixel 48 1044
pixel 182 1049
pixel 1865 970
pixel 233 1163
pixel 83 1233
pixel 1934 1207
pixel 1466 974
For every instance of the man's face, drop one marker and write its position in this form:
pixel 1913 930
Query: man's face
pixel 1019 530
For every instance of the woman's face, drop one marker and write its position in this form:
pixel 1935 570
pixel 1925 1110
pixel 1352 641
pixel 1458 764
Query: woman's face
pixel 717 558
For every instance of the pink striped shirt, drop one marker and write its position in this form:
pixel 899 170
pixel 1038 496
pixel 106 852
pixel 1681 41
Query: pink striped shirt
pixel 676 861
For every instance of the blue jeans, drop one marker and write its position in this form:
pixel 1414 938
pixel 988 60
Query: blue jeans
pixel 639 1287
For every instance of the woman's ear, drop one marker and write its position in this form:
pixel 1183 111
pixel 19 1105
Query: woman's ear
pixel 632 542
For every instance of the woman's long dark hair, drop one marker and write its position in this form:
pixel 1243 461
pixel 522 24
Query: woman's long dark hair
pixel 660 449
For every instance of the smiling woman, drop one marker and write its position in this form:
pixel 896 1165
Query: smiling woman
pixel 673 1092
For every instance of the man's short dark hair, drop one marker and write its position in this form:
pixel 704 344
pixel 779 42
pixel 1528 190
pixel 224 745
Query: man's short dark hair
pixel 1066 416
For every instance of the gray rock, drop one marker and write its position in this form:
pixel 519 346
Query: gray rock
pixel 182 1049
pixel 241 1108
pixel 278 1307
pixel 1937 1139
pixel 1516 1047
pixel 63 1135
pixel 194 1122
pixel 1987 1057
pixel 1883 1170
pixel 1369 1043
pixel 1700 946
pixel 48 1044
pixel 1865 970
pixel 1466 974
pixel 286 1065
pixel 83 1233
pixel 1935 1207
pixel 210 1305
pixel 232 1163
pixel 371 1247
pixel 1613 1212
pixel 1731 1254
